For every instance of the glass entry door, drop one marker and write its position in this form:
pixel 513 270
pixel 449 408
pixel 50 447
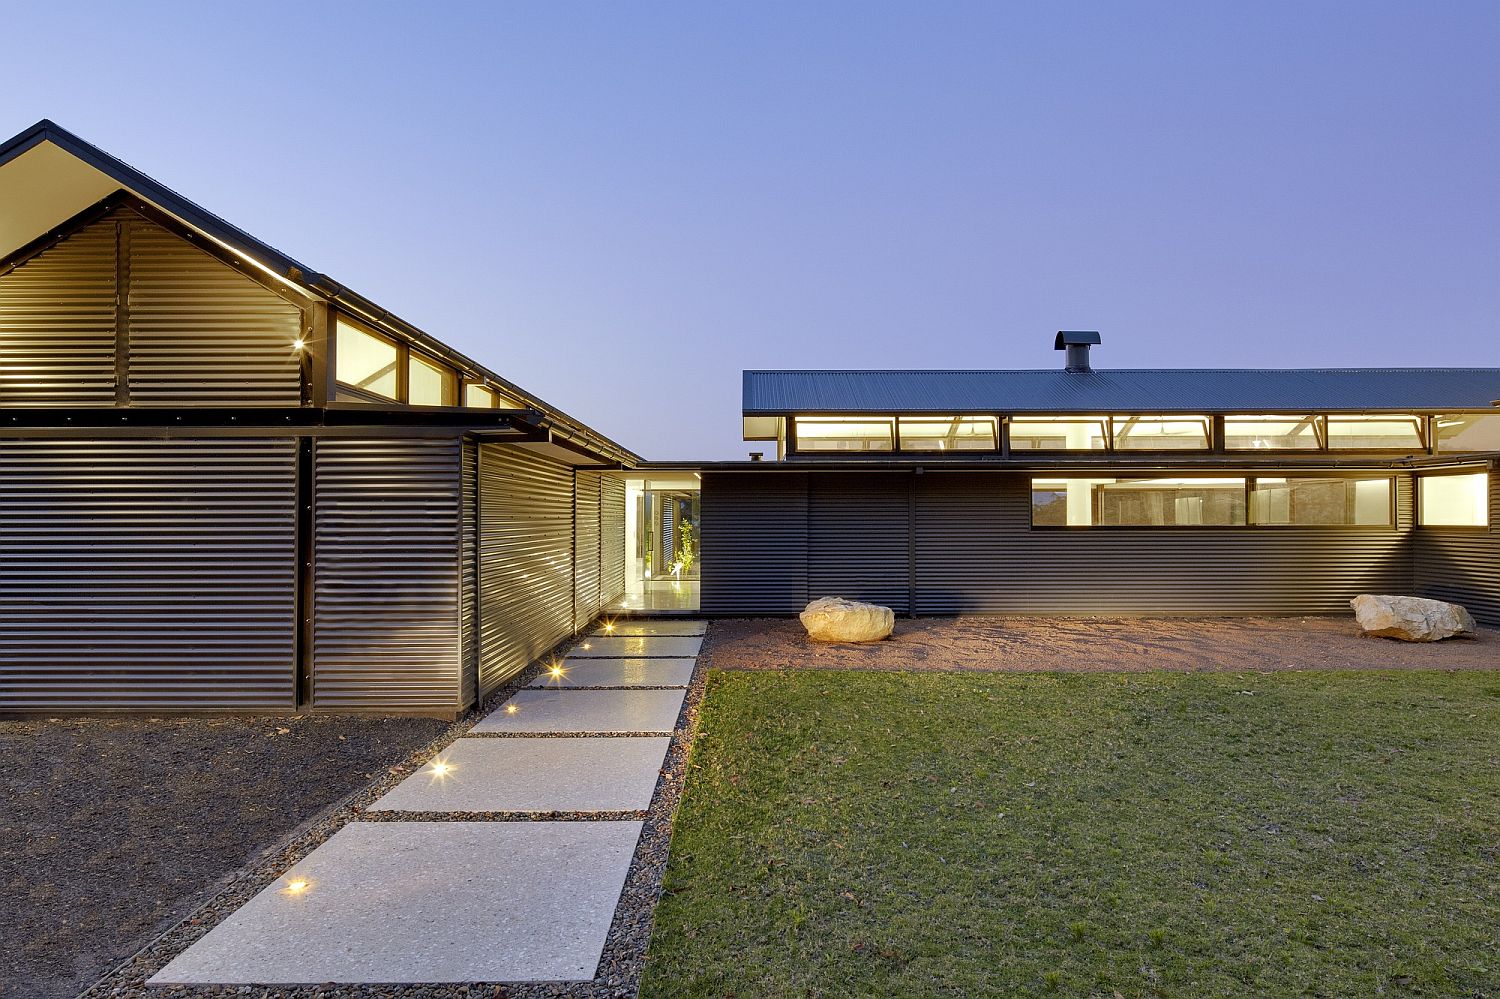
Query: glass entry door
pixel 662 543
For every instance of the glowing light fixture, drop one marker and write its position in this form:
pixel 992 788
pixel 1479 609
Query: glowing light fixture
pixel 440 769
pixel 299 343
pixel 556 671
pixel 296 887
pixel 511 709
pixel 609 626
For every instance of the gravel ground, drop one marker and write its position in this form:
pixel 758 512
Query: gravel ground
pixel 1083 644
pixel 114 828
pixel 619 972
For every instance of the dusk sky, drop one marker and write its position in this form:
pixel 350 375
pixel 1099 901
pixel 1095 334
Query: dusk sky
pixel 620 206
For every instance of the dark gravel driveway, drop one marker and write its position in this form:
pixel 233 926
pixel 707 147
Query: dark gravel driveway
pixel 115 828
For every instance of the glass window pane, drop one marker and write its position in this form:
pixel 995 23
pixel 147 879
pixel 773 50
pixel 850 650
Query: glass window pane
pixel 948 433
pixel 840 433
pixel 1322 502
pixel 429 383
pixel 364 360
pixel 1161 433
pixel 1188 502
pixel 1058 433
pixel 478 397
pixel 1274 433
pixel 1453 500
pixel 1468 432
pixel 1375 433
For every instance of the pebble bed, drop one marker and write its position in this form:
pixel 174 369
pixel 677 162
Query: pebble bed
pixel 619 973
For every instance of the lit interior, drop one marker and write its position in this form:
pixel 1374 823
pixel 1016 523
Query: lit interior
pixel 1273 433
pixel 1312 502
pixel 364 360
pixel 846 433
pixel 1375 433
pixel 479 396
pixel 1161 433
pixel 1454 500
pixel 1468 432
pixel 1058 433
pixel 429 383
pixel 949 433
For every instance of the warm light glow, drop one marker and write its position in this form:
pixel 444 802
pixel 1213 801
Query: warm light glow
pixel 439 768
pixel 295 887
pixel 557 672
pixel 511 709
pixel 609 626
pixel 299 343
pixel 586 645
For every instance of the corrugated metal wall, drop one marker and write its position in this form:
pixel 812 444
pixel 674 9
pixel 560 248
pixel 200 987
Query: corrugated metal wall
pixel 386 582
pixel 586 551
pixel 57 311
pixel 202 333
pixel 525 559
pixel 754 543
pixel 1462 565
pixel 469 567
pixel 858 538
pixel 772 540
pixel 199 331
pixel 148 574
pixel 612 540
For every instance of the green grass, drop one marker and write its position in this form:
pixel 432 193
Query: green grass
pixel 1164 834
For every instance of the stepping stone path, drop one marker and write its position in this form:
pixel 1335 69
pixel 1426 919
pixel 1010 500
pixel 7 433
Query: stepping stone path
pixel 480 884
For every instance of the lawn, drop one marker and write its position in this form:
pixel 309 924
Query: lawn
pixel 1151 834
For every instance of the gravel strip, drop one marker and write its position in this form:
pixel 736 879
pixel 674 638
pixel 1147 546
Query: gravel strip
pixel 619 972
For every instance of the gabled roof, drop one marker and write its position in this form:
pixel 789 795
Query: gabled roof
pixel 1183 390
pixel 48 175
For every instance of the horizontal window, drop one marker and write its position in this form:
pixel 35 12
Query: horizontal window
pixel 478 396
pixel 1375 433
pixel 1161 433
pixel 838 433
pixel 948 433
pixel 364 360
pixel 1313 502
pixel 1058 433
pixel 430 383
pixel 1453 500
pixel 1271 433
pixel 1174 502
pixel 1468 432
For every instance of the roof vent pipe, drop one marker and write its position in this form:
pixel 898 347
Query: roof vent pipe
pixel 1077 344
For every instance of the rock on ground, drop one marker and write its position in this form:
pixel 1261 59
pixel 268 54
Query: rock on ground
pixel 1411 619
pixel 834 619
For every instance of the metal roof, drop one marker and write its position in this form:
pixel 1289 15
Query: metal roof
pixel 296 273
pixel 1183 390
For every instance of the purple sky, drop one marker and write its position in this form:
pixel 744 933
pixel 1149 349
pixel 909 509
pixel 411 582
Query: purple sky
pixel 620 206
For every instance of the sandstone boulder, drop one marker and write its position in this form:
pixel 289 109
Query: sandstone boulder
pixel 1411 619
pixel 834 619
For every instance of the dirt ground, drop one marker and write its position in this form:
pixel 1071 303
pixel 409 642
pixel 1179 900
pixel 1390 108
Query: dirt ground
pixel 115 828
pixel 1019 644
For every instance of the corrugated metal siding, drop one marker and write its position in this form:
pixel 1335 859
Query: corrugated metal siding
pixel 57 324
pixel 858 537
pixel 469 585
pixel 586 553
pixel 386 580
pixel 148 574
pixel 754 543
pixel 612 540
pixel 772 540
pixel 201 333
pixel 525 559
pixel 976 553
pixel 1463 565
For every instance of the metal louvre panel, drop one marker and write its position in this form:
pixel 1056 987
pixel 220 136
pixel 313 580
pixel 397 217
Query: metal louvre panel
pixel 976 553
pixel 201 333
pixel 386 580
pixel 1463 565
pixel 148 575
pixel 525 559
pixel 586 548
pixel 858 537
pixel 754 543
pixel 57 324
pixel 612 540
pixel 469 569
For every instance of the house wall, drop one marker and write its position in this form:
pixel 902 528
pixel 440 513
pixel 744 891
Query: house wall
pixel 960 542
pixel 1462 564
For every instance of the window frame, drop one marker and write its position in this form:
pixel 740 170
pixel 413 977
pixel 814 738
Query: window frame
pixel 1423 424
pixel 1416 499
pixel 448 373
pixel 1319 422
pixel 1249 478
pixel 365 330
pixel 1104 420
pixel 994 421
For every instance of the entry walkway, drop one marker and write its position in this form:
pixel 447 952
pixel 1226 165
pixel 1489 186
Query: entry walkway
pixel 500 861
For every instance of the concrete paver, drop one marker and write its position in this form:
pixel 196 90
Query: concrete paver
pixel 620 673
pixel 585 711
pixel 634 629
pixel 672 646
